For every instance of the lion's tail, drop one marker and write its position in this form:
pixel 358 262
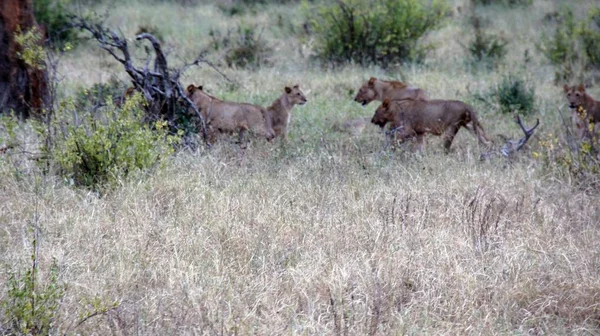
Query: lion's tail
pixel 477 127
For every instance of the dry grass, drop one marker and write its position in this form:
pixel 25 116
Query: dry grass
pixel 325 234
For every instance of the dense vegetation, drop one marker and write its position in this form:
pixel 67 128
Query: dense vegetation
pixel 114 221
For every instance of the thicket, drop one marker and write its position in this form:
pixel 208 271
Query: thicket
pixel 574 49
pixel 375 32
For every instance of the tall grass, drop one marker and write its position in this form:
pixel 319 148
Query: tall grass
pixel 324 233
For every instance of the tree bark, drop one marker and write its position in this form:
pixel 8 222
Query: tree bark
pixel 23 89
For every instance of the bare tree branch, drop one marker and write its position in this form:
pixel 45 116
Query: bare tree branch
pixel 160 87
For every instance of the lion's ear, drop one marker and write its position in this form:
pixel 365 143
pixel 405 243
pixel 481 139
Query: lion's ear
pixel 200 88
pixel 386 103
pixel 191 88
pixel 287 89
pixel 581 88
pixel 566 88
pixel 372 81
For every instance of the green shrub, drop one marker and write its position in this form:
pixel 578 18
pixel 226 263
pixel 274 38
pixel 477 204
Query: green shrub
pixel 380 32
pixel 96 152
pixel 54 16
pixel 96 95
pixel 31 305
pixel 590 38
pixel 570 158
pixel 485 47
pixel 244 47
pixel 575 47
pixel 514 95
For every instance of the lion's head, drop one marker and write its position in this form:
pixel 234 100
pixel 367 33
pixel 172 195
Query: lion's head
pixel 383 115
pixel 366 93
pixel 295 96
pixel 197 94
pixel 575 95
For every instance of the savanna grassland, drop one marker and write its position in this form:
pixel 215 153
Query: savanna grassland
pixel 327 232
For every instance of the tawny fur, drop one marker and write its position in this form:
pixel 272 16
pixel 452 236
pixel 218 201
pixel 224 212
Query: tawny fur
pixel 585 111
pixel 230 117
pixel 282 107
pixel 415 118
pixel 376 89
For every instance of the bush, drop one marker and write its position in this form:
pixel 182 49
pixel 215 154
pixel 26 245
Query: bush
pixel 95 151
pixel 31 306
pixel 570 158
pixel 514 95
pixel 486 48
pixel 54 16
pixel 96 95
pixel 380 32
pixel 575 48
pixel 244 47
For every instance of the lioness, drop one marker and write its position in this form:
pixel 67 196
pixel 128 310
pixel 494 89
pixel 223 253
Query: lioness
pixel 229 117
pixel 376 89
pixel 585 111
pixel 414 118
pixel 282 107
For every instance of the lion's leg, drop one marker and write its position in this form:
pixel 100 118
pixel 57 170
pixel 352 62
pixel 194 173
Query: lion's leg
pixel 243 130
pixel 420 142
pixel 448 136
pixel 404 134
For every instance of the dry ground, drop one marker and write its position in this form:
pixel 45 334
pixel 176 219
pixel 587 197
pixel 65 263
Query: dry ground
pixel 327 233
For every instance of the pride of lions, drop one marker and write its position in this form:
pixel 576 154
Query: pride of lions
pixel 408 110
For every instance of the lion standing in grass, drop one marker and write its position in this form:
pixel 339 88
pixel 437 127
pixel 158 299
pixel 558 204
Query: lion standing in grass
pixel 282 107
pixel 230 117
pixel 586 111
pixel 414 118
pixel 376 89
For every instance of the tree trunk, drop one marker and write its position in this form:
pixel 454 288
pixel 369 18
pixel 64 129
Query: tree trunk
pixel 23 89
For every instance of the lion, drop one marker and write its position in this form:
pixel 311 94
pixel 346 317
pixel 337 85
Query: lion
pixel 282 107
pixel 230 117
pixel 376 89
pixel 414 118
pixel 585 111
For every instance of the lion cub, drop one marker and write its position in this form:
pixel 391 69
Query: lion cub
pixel 377 89
pixel 585 111
pixel 414 118
pixel 231 117
pixel 282 107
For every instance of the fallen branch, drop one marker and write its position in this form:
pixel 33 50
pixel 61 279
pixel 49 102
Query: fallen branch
pixel 160 87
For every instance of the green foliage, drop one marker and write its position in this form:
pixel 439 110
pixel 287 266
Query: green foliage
pixel 514 95
pixel 98 152
pixel 54 16
pixel 590 37
pixel 574 159
pixel 32 51
pixel 98 93
pixel 244 47
pixel 510 3
pixel 485 47
pixel 575 46
pixel 374 32
pixel 31 307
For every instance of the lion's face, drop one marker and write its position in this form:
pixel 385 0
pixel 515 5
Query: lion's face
pixel 196 94
pixel 383 115
pixel 295 95
pixel 366 93
pixel 575 95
